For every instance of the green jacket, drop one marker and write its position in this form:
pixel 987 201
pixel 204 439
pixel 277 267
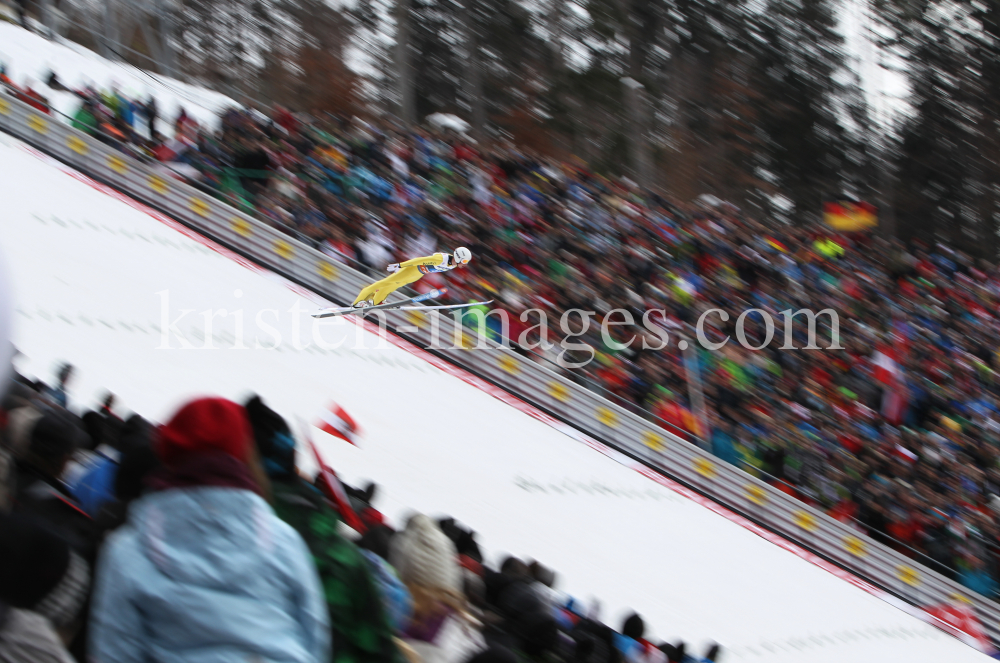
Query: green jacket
pixel 85 121
pixel 359 627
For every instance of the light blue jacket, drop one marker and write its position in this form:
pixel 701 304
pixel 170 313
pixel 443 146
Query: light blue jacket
pixel 207 575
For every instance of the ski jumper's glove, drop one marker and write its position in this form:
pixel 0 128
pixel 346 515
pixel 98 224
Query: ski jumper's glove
pixel 394 267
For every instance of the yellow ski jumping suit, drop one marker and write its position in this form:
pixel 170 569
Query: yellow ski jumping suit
pixel 409 271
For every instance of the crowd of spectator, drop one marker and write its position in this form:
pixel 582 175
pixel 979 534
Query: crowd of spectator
pixel 199 540
pixel 910 460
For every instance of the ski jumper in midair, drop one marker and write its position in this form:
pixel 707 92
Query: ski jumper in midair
pixel 409 272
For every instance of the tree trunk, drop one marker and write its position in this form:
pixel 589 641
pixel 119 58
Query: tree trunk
pixel 404 71
pixel 109 31
pixel 554 24
pixel 635 100
pixel 472 82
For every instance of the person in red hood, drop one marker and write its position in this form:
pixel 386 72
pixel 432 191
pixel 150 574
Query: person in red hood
pixel 204 569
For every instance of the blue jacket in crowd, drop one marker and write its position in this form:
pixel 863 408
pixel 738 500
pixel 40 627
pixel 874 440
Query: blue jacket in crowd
pixel 207 575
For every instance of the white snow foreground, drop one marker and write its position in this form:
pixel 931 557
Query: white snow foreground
pixel 105 285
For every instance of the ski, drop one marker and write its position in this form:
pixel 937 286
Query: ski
pixel 350 310
pixel 440 308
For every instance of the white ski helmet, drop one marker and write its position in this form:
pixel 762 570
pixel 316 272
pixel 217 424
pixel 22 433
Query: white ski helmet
pixel 462 256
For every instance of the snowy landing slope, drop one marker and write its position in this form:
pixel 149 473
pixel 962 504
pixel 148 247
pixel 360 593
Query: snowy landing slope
pixel 94 278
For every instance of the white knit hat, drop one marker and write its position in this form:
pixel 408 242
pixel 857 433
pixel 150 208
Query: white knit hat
pixel 423 555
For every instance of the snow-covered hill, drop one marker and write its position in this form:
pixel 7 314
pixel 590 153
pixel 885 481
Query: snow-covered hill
pixel 29 58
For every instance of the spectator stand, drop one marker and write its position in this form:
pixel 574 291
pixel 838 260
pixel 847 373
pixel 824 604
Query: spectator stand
pixel 591 418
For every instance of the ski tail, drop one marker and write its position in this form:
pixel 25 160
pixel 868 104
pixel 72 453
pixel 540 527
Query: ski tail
pixel 433 294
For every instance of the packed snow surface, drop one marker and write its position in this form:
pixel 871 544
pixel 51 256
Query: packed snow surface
pixel 97 281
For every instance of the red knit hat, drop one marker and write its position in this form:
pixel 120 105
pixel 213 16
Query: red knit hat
pixel 206 424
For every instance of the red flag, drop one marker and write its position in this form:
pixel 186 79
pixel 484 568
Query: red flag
pixel 894 403
pixel 884 366
pixel 338 423
pixel 959 619
pixel 894 395
pixel 331 485
pixel 904 454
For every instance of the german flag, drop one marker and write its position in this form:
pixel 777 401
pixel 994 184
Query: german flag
pixel 775 244
pixel 849 217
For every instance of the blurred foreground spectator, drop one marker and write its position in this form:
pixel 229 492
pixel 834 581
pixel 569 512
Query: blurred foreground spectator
pixel 203 570
pixel 358 622
pixel 43 587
